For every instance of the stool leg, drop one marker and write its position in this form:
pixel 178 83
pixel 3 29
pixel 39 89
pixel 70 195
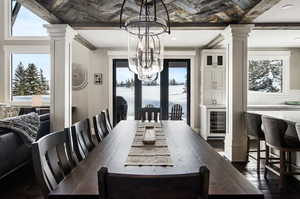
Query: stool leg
pixel 248 148
pixel 267 160
pixel 282 170
pixel 289 158
pixel 258 156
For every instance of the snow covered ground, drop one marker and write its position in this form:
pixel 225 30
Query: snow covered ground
pixel 151 95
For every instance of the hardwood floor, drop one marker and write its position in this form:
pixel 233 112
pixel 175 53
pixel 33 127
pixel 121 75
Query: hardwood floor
pixel 22 184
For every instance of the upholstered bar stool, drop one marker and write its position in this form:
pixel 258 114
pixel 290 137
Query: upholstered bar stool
pixel 254 132
pixel 298 129
pixel 277 139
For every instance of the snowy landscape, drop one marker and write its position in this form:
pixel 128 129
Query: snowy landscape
pixel 151 95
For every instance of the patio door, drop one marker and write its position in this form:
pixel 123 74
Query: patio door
pixel 171 87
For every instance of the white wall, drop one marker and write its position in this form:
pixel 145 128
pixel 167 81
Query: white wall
pixel 80 98
pixel 100 96
pixel 1 51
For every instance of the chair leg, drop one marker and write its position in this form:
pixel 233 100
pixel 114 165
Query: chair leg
pixel 267 161
pixel 258 156
pixel 282 170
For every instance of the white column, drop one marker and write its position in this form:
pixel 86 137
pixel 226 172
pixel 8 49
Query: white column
pixel 61 36
pixel 236 41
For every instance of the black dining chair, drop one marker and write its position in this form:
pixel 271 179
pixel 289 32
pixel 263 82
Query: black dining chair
pixel 125 186
pixel 50 160
pixel 176 112
pixel 82 139
pixel 278 139
pixel 108 118
pixel 255 132
pixel 149 114
pixel 107 121
pixel 103 124
pixel 98 131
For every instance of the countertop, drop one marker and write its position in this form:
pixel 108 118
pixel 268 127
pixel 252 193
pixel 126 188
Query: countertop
pixel 256 107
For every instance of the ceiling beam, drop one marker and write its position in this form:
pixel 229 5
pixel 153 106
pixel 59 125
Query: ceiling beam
pixel 15 13
pixel 85 42
pixel 43 13
pixel 258 10
pixel 215 42
pixel 277 26
pixel 40 11
pixel 174 26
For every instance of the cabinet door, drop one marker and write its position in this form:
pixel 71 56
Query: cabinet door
pixel 219 60
pixel 220 79
pixel 209 77
pixel 209 60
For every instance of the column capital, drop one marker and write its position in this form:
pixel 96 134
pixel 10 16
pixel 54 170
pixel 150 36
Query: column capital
pixel 237 30
pixel 60 31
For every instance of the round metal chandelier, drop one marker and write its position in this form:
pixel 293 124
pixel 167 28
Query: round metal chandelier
pixel 145 50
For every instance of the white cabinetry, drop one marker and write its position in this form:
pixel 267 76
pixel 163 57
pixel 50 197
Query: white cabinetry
pixel 213 93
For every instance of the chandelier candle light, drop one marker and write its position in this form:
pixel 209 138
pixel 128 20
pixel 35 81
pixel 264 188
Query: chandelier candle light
pixel 145 50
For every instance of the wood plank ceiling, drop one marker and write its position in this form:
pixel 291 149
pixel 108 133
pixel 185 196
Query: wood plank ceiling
pixel 181 11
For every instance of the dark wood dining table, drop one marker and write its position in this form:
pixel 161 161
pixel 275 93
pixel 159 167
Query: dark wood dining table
pixel 188 152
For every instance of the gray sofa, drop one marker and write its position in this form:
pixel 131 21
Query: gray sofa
pixel 13 152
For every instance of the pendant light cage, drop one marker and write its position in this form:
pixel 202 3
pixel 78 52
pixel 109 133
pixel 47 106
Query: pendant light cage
pixel 145 50
pixel 145 54
pixel 147 22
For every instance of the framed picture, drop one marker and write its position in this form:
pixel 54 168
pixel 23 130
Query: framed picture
pixel 98 78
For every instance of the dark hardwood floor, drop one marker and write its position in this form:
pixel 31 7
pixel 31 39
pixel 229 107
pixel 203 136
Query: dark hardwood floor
pixel 22 184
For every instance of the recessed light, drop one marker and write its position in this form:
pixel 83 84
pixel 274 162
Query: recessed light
pixel 287 6
pixel 173 38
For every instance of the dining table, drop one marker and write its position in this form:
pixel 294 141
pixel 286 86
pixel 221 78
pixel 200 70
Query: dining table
pixel 189 151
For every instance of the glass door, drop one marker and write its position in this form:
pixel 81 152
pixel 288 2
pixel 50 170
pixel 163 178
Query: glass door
pixel 151 93
pixel 124 92
pixel 172 87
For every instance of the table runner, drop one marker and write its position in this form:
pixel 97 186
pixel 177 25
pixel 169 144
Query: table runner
pixel 141 154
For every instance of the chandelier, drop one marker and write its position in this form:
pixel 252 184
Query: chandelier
pixel 145 50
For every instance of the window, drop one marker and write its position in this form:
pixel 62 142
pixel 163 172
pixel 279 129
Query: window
pixel 30 76
pixel 24 22
pixel 268 74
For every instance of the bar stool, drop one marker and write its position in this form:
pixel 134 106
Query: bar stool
pixel 277 138
pixel 298 129
pixel 255 132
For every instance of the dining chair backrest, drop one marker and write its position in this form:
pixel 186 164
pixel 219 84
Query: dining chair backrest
pixel 274 131
pixel 103 124
pixel 176 112
pixel 98 131
pixel 124 186
pixel 81 140
pixel 149 114
pixel 70 147
pixel 254 125
pixel 107 121
pixel 50 160
pixel 108 118
pixel 83 128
